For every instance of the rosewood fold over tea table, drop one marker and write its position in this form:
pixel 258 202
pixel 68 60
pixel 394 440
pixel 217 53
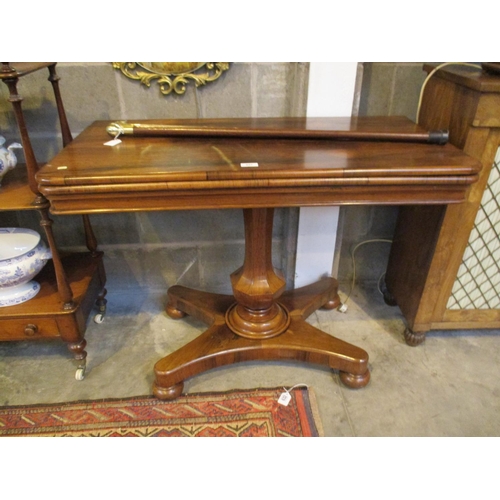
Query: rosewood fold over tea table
pixel 256 165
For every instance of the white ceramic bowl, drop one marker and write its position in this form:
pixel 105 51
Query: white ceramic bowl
pixel 18 294
pixel 22 256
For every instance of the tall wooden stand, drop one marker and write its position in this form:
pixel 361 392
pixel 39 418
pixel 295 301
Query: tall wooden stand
pixel 258 322
pixel 70 284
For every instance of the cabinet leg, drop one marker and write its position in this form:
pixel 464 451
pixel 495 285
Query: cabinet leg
pixel 413 338
pixel 388 297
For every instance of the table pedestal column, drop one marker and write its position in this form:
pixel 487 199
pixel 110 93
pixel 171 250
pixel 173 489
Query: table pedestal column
pixel 260 322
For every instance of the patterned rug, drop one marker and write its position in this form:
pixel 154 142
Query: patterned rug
pixel 238 413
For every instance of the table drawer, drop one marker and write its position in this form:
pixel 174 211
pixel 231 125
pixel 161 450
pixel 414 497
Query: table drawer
pixel 25 329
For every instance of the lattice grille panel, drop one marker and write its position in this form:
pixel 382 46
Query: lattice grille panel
pixel 477 285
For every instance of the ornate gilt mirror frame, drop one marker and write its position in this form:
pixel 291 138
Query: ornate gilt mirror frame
pixel 172 76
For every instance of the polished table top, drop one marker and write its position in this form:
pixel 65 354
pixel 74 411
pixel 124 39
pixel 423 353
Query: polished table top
pixel 229 172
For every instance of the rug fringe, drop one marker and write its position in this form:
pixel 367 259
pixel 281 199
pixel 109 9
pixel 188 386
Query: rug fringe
pixel 315 412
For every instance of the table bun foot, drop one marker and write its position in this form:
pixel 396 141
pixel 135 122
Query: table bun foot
pixel 354 381
pixel 168 393
pixel 331 304
pixel 174 313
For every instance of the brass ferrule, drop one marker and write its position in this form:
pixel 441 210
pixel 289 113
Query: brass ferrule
pixel 120 128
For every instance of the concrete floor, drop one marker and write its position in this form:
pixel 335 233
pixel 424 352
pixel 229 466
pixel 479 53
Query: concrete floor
pixel 448 386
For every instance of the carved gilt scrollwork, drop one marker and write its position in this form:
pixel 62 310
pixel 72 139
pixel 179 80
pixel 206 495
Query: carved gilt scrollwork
pixel 172 76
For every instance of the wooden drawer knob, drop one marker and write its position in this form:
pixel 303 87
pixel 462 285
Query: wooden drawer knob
pixel 30 330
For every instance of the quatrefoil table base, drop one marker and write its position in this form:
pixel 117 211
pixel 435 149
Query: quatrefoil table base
pixel 257 323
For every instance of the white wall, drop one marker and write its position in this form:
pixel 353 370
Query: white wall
pixel 331 93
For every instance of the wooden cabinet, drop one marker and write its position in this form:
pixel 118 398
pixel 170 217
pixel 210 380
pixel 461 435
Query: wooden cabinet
pixel 444 267
pixel 70 283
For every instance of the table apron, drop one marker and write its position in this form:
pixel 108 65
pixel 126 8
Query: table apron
pixel 91 202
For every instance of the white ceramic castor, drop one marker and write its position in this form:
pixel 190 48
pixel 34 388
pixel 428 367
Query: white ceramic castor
pixel 99 318
pixel 80 373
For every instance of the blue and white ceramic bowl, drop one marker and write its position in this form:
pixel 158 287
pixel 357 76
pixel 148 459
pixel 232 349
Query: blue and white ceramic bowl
pixel 8 159
pixel 22 256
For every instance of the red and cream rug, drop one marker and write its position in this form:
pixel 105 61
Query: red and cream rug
pixel 238 413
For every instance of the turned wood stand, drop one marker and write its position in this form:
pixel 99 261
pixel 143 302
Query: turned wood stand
pixel 203 164
pixel 258 322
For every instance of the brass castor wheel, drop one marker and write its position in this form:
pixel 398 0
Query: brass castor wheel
pixel 101 304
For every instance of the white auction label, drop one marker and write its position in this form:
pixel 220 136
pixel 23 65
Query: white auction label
pixel 246 165
pixel 114 142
